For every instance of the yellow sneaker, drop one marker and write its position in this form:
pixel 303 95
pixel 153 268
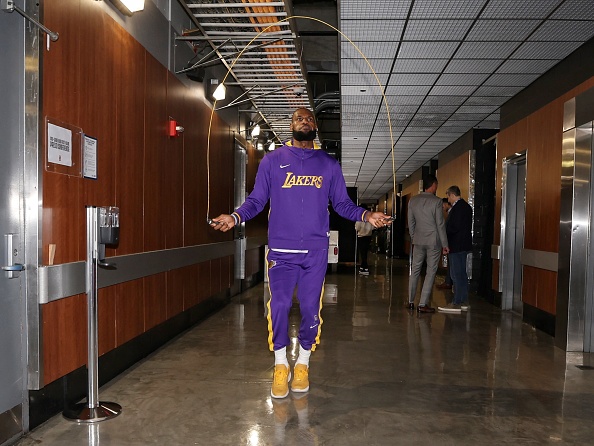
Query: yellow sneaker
pixel 280 381
pixel 301 380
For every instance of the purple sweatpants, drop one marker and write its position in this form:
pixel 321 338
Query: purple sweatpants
pixel 307 272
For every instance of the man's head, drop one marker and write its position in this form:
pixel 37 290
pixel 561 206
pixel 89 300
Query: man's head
pixel 430 183
pixel 445 204
pixel 303 125
pixel 453 194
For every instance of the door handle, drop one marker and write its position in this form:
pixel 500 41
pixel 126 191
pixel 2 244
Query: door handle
pixel 15 267
pixel 106 264
pixel 12 257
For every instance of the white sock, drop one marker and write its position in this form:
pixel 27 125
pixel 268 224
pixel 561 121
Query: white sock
pixel 280 357
pixel 303 356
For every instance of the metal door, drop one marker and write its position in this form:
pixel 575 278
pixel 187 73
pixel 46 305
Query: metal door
pixel 512 232
pixel 12 308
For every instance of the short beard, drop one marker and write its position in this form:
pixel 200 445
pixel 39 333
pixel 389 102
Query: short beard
pixel 302 136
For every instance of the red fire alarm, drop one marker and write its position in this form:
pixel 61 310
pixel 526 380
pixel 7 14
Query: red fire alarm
pixel 174 128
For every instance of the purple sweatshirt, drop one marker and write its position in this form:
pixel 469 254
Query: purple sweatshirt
pixel 299 184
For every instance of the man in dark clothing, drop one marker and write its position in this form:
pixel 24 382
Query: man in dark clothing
pixel 459 231
pixel 447 284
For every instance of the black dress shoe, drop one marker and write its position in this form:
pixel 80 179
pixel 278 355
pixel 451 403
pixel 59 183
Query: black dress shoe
pixel 410 306
pixel 425 309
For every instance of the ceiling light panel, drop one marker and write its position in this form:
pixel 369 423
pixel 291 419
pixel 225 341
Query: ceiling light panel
pixel 374 9
pixel 427 50
pixel 575 10
pixel 514 9
pixel 486 50
pixel 502 30
pixel 436 30
pixel 439 9
pixel 371 30
pixel 562 30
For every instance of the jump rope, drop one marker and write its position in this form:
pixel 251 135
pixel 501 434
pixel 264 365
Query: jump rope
pixel 381 88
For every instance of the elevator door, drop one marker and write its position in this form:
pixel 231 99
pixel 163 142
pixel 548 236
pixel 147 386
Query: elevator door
pixel 513 217
pixel 12 369
pixel 588 136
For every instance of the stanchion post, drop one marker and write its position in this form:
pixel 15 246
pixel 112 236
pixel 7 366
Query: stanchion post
pixel 102 228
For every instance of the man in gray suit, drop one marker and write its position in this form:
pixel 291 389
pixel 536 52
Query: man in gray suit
pixel 429 241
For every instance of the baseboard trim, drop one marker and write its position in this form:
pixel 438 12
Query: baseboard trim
pixel 539 319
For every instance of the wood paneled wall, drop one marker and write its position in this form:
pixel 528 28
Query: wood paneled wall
pixel 454 173
pixel 98 78
pixel 540 134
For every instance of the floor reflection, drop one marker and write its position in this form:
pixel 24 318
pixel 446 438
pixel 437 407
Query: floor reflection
pixel 382 375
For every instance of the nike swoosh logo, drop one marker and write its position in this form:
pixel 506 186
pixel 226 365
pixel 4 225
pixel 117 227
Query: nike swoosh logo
pixel 282 166
pixel 313 326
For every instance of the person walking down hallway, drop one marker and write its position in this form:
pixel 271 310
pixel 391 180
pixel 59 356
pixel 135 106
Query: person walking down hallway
pixel 299 180
pixel 429 241
pixel 364 231
pixel 459 231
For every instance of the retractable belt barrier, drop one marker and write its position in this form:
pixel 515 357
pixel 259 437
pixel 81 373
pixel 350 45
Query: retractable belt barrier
pixel 103 228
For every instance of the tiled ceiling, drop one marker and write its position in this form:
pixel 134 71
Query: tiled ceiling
pixel 446 66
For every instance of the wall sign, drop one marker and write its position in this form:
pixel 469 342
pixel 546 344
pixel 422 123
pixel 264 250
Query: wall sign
pixel 59 145
pixel 90 157
pixel 64 145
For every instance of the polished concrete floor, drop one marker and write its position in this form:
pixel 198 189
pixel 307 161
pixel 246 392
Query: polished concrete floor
pixel 381 376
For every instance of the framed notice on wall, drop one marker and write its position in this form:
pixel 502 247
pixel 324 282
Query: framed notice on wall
pixel 59 145
pixel 63 148
pixel 89 157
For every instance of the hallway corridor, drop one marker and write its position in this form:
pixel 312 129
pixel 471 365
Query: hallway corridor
pixel 382 375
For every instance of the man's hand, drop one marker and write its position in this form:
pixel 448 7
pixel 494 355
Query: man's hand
pixel 223 222
pixel 379 219
pixel 445 250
